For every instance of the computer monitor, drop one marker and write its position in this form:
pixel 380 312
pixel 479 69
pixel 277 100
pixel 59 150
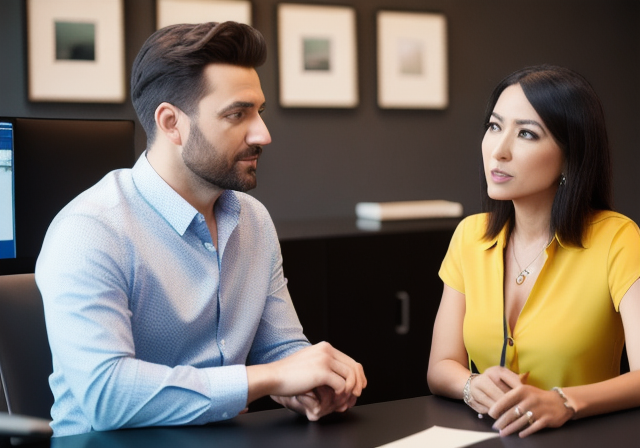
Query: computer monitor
pixel 54 160
pixel 7 199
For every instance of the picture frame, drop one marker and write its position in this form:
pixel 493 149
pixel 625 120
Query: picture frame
pixel 412 60
pixel 171 12
pixel 76 51
pixel 317 56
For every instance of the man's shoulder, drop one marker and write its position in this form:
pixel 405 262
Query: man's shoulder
pixel 108 194
pixel 254 220
pixel 94 218
pixel 251 207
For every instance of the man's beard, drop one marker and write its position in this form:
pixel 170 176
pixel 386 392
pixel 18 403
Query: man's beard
pixel 206 162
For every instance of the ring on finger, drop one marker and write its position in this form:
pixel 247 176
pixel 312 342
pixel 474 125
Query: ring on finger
pixel 529 415
pixel 517 411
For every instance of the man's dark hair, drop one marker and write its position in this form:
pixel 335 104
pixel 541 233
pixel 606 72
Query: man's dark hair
pixel 170 65
pixel 571 110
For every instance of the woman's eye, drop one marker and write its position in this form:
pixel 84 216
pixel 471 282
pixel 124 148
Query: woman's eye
pixel 493 127
pixel 528 135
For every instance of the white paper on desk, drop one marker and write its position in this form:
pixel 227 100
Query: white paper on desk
pixel 440 437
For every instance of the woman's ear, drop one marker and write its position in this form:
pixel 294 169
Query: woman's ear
pixel 169 122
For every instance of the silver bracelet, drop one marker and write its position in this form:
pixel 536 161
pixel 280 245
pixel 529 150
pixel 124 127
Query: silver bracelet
pixel 565 399
pixel 466 393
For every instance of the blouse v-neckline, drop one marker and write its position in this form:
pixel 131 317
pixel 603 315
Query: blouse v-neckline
pixel 508 329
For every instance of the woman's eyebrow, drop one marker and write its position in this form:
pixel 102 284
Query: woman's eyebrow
pixel 531 122
pixel 498 116
pixel 519 122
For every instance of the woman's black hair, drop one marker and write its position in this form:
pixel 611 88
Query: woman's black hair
pixel 571 111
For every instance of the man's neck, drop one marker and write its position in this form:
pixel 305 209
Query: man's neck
pixel 196 191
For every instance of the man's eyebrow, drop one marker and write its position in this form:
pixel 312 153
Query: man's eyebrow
pixel 239 105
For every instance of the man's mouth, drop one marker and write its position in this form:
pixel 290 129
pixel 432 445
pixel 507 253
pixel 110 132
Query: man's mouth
pixel 251 154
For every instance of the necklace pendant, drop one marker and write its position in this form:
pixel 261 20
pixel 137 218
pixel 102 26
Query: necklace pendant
pixel 522 277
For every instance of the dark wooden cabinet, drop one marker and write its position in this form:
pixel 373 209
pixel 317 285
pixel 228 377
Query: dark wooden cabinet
pixel 373 294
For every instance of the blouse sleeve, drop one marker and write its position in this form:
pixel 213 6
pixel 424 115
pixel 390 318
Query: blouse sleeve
pixel 623 261
pixel 451 271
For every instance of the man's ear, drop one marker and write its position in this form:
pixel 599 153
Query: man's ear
pixel 171 122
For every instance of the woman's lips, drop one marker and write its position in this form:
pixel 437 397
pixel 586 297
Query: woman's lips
pixel 500 176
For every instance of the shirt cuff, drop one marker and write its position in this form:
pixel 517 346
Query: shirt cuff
pixel 229 390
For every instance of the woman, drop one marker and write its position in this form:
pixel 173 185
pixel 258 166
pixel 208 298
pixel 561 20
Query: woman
pixel 541 291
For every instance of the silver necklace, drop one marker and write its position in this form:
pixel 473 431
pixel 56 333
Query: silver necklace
pixel 522 276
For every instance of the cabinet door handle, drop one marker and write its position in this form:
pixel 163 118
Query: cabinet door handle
pixel 403 297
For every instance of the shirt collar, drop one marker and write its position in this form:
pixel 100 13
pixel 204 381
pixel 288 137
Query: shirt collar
pixel 497 241
pixel 501 240
pixel 227 210
pixel 173 207
pixel 164 199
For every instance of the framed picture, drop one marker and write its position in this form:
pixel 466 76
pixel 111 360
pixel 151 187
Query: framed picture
pixel 171 12
pixel 76 51
pixel 412 60
pixel 317 56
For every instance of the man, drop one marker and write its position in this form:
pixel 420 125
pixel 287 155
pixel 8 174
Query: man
pixel 164 295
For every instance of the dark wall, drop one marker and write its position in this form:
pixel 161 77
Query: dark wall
pixel 322 162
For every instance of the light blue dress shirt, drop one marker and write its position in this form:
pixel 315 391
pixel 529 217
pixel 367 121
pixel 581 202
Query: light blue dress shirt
pixel 148 323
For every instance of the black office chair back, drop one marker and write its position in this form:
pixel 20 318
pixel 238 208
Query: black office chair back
pixel 25 356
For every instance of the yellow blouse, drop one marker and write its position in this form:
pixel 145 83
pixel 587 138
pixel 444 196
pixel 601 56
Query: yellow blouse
pixel 569 331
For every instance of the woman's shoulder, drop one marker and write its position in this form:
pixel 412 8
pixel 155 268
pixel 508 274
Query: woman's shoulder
pixel 476 223
pixel 607 225
pixel 608 219
pixel 472 228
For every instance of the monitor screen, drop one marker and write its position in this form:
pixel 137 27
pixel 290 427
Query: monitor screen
pixel 7 204
pixel 53 161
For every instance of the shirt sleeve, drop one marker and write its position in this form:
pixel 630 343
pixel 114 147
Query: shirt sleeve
pixel 85 289
pixel 624 261
pixel 279 333
pixel 451 271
